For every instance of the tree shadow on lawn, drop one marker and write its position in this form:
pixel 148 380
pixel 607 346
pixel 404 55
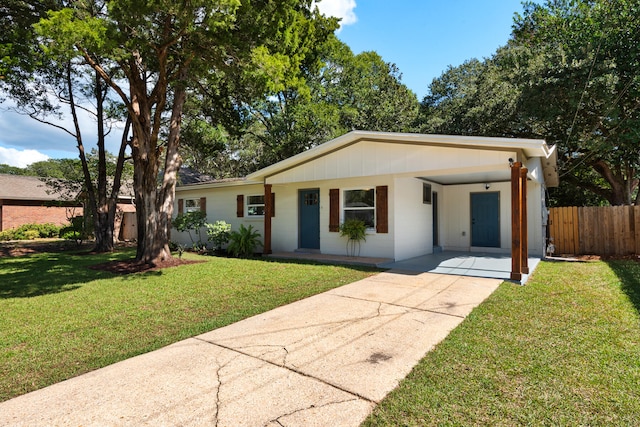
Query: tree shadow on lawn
pixel 46 273
pixel 629 274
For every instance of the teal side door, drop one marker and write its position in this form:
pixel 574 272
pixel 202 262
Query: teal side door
pixel 485 220
pixel 309 222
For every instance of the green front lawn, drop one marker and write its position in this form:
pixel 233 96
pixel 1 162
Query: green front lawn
pixel 562 350
pixel 59 318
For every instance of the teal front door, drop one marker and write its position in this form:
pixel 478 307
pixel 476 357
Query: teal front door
pixel 485 220
pixel 309 222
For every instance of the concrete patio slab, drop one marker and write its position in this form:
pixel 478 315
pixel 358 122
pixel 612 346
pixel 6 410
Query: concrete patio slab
pixel 473 264
pixel 325 360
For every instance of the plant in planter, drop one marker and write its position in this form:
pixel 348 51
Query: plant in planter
pixel 219 233
pixel 356 231
pixel 244 242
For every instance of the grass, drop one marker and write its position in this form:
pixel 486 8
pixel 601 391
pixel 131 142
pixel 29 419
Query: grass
pixel 59 319
pixel 562 350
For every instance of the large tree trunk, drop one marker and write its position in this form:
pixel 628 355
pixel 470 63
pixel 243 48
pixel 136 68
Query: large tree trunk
pixel 622 183
pixel 103 219
pixel 154 199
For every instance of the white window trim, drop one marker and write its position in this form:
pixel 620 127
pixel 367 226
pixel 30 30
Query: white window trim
pixel 247 205
pixel 343 207
pixel 195 208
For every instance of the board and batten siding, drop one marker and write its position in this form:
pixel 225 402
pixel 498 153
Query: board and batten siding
pixel 382 159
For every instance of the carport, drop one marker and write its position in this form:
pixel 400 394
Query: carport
pixel 461 263
pixel 473 264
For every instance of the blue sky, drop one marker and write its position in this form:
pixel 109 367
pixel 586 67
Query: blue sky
pixel 422 37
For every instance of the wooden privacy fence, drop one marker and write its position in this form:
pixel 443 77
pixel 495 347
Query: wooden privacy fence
pixel 606 230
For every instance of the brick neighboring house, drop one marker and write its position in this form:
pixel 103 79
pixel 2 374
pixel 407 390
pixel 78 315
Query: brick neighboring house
pixel 28 200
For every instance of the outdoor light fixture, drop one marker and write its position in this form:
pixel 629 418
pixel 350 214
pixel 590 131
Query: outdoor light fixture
pixel 487 186
pixel 510 162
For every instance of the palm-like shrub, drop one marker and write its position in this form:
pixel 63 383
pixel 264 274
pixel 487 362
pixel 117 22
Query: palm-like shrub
pixel 243 242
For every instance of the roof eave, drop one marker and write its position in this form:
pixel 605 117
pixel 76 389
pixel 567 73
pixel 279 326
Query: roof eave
pixel 217 184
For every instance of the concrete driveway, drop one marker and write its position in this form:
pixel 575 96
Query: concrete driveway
pixel 325 360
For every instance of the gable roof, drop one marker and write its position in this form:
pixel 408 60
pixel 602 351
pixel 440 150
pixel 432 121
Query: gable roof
pixel 21 187
pixel 529 147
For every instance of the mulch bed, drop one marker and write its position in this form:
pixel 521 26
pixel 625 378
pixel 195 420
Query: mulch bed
pixel 22 248
pixel 130 266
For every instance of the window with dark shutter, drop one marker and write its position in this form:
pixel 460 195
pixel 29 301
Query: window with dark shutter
pixel 203 205
pixel 180 206
pixel 382 209
pixel 334 210
pixel 240 206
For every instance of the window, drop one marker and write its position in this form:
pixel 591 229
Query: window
pixel 255 205
pixel 191 205
pixel 360 204
pixel 310 199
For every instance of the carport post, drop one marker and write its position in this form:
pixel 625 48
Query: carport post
pixel 516 222
pixel 524 226
pixel 268 212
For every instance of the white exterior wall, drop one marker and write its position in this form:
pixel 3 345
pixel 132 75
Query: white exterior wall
pixel 285 224
pixel 536 207
pixel 456 217
pixel 413 219
pixel 536 218
pixel 221 206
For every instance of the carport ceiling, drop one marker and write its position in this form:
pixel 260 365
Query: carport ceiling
pixel 470 178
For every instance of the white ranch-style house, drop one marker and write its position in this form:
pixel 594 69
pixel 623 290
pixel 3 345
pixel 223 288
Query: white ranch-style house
pixel 417 193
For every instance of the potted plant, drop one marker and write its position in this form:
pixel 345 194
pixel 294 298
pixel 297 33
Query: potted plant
pixel 355 231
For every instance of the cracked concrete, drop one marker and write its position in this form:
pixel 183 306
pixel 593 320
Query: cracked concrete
pixel 325 360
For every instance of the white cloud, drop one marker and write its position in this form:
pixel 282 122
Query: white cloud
pixel 343 9
pixel 21 159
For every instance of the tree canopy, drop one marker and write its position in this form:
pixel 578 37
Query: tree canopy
pixel 155 54
pixel 48 85
pixel 568 75
pixel 340 92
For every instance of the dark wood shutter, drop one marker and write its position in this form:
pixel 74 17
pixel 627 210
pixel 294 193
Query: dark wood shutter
pixel 382 209
pixel 240 206
pixel 180 206
pixel 334 210
pixel 203 204
pixel 273 205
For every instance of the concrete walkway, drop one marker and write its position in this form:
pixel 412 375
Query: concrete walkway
pixel 325 360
